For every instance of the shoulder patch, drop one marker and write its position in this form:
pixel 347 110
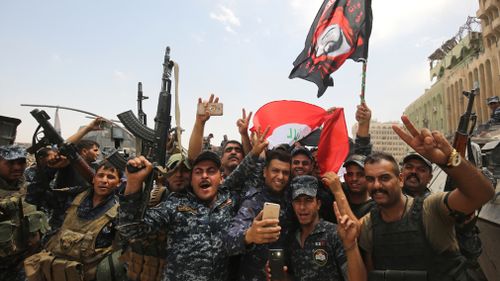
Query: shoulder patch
pixel 228 202
pixel 320 257
pixel 186 209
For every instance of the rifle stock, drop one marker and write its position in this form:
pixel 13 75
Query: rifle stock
pixel 51 137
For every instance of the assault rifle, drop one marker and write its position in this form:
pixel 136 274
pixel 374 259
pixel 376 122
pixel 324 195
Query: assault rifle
pixel 24 225
pixel 461 141
pixel 51 137
pixel 154 142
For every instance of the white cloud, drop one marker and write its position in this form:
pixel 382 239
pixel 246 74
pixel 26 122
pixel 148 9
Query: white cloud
pixel 227 17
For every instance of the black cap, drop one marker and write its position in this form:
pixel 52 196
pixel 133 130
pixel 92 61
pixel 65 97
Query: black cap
pixel 493 99
pixel 302 150
pixel 357 159
pixel 207 155
pixel 304 185
pixel 417 156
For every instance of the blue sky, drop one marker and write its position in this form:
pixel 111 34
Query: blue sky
pixel 91 54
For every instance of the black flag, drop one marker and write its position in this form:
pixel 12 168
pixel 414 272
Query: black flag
pixel 340 31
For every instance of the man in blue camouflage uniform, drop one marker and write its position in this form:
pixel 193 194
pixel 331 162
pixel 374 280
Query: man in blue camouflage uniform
pixel 494 105
pixel 242 234
pixel 21 225
pixel 316 250
pixel 195 219
pixel 87 235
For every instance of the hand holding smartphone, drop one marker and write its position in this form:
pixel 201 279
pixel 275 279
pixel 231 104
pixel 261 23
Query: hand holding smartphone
pixel 214 109
pixel 271 211
pixel 276 263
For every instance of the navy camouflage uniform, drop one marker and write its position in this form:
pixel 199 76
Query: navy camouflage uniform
pixel 55 201
pixel 12 250
pixel 255 257
pixel 195 249
pixel 322 258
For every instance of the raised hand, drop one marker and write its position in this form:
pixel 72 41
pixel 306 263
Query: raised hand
pixel 57 161
pixel 97 124
pixel 332 180
pixel 431 145
pixel 243 122
pixel 135 179
pixel 348 228
pixel 363 114
pixel 331 110
pixel 259 143
pixel 204 117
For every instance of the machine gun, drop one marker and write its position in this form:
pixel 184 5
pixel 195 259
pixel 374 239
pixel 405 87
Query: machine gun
pixel 51 137
pixel 461 141
pixel 154 142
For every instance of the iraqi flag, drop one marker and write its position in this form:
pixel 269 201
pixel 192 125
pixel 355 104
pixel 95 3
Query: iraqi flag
pixel 290 121
pixel 340 31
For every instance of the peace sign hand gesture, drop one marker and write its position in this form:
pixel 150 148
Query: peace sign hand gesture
pixel 347 228
pixel 431 145
pixel 244 122
pixel 259 142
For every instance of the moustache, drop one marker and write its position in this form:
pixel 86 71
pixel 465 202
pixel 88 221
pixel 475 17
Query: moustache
pixel 378 190
pixel 413 175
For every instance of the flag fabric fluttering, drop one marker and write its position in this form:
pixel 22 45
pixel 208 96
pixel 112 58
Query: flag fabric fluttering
pixel 340 31
pixel 290 121
pixel 333 146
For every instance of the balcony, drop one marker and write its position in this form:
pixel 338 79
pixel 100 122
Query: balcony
pixel 487 31
pixel 495 24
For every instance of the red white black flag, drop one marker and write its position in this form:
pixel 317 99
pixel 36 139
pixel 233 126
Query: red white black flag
pixel 290 121
pixel 340 31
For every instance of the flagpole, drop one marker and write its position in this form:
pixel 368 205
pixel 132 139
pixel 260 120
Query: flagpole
pixel 363 81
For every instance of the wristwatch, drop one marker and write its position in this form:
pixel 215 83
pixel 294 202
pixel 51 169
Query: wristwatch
pixel 454 159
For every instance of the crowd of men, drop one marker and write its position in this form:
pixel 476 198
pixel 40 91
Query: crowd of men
pixel 204 218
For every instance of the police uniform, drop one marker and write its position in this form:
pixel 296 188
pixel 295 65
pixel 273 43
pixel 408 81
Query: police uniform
pixel 195 249
pixel 146 259
pixel 321 258
pixel 21 225
pixel 254 258
pixel 83 241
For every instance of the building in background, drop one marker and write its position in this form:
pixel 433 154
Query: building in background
pixel 385 139
pixel 469 58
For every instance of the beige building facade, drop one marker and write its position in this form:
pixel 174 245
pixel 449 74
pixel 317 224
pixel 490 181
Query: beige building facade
pixel 470 58
pixel 385 139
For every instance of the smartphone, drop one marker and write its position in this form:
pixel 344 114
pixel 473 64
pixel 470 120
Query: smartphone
pixel 276 263
pixel 271 211
pixel 214 109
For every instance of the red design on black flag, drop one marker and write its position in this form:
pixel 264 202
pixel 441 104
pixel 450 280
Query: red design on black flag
pixel 340 31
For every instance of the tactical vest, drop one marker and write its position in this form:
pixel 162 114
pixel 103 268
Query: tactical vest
pixel 147 259
pixel 17 233
pixel 71 254
pixel 402 246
